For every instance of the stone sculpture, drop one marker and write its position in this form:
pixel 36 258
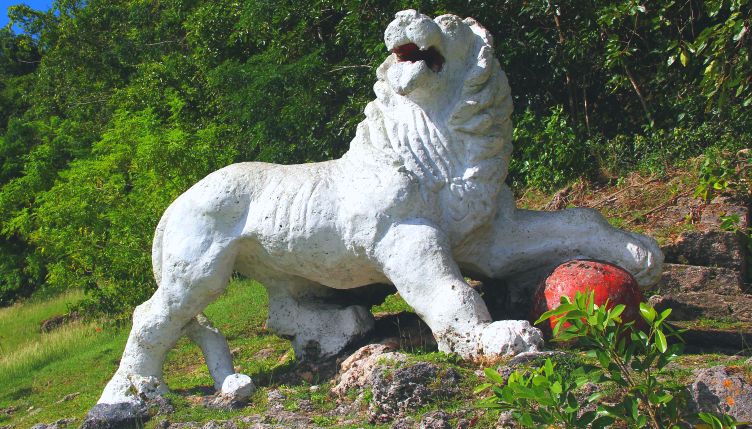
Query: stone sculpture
pixel 417 200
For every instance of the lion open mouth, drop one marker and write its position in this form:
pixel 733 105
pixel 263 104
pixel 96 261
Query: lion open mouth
pixel 410 52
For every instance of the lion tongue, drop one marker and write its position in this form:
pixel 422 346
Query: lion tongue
pixel 407 52
pixel 412 53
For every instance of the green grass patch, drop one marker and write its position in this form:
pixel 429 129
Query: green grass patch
pixel 76 360
pixel 37 371
pixel 392 304
pixel 21 322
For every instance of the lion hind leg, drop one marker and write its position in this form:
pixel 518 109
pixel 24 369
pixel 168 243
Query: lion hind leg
pixel 218 359
pixel 302 310
pixel 585 234
pixel 192 277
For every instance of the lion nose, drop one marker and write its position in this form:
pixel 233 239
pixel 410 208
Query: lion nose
pixel 410 26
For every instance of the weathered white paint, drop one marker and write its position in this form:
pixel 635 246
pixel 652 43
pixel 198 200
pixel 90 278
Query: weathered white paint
pixel 419 197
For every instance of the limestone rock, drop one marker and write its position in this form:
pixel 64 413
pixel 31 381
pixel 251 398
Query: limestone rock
pixel 356 371
pixel 506 421
pixel 677 213
pixel 435 420
pixel 702 337
pixel 695 305
pixel 184 425
pixel 409 387
pixel 123 415
pixel 678 278
pixel 523 359
pixel 59 424
pixel 723 206
pixel 717 390
pixel 404 423
pixel 220 424
pixel 711 249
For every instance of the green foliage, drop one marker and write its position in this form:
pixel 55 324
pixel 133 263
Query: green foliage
pixel 109 110
pixel 724 49
pixel 630 358
pixel 721 172
pixel 719 422
pixel 548 152
pixel 543 397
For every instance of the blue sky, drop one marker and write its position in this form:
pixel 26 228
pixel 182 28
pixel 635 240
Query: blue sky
pixel 5 4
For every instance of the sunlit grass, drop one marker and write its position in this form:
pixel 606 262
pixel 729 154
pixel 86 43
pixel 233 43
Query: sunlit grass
pixel 49 347
pixel 20 323
pixel 75 361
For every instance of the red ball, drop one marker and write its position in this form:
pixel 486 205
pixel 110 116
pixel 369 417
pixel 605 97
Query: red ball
pixel 607 281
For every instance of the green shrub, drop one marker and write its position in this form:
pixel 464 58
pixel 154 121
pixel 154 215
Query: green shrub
pixel 548 152
pixel 629 358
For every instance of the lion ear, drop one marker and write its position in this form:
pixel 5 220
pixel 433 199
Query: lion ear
pixel 448 22
pixel 479 30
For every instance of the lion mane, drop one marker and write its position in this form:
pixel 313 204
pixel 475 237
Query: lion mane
pixel 459 153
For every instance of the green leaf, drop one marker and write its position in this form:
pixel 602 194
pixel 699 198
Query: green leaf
pixel 617 311
pixel 539 380
pixel 664 314
pixel 603 358
pixel 740 34
pixel 548 367
pixel 595 396
pixel 660 341
pixel 561 309
pixel 709 68
pixel 602 422
pixel 493 375
pixel 684 58
pixel 482 387
pixel 647 312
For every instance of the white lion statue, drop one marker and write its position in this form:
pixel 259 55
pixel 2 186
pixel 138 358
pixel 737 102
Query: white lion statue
pixel 417 200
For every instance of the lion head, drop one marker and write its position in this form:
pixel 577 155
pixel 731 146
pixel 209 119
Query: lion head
pixel 443 111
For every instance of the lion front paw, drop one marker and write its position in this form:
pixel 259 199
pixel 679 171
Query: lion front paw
pixel 510 337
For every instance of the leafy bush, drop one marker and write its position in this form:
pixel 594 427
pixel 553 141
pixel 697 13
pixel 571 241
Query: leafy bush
pixel 543 397
pixel 721 172
pixel 629 358
pixel 600 87
pixel 548 151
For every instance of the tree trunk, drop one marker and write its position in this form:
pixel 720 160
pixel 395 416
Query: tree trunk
pixel 567 75
pixel 638 91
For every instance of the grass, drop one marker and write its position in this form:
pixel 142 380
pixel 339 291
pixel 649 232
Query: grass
pixel 392 304
pixel 40 370
pixel 76 360
pixel 61 374
pixel 47 377
pixel 21 322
